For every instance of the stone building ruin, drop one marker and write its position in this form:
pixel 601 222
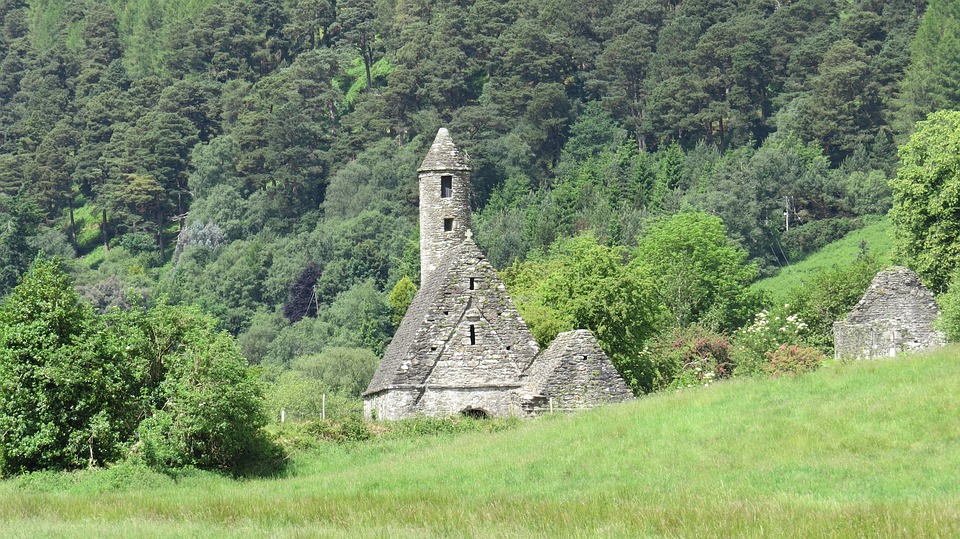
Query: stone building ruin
pixel 895 315
pixel 462 347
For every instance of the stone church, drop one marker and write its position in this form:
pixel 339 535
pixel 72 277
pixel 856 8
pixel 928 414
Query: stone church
pixel 896 314
pixel 462 347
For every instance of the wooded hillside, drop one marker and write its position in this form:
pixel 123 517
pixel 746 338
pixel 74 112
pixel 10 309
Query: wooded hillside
pixel 257 158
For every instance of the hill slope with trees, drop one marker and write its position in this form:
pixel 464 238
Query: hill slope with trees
pixel 256 159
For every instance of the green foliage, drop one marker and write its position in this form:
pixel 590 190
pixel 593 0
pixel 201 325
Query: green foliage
pixel 400 299
pixel 829 295
pixel 342 431
pixel 929 81
pixel 296 397
pixel 769 333
pixel 68 389
pixel 793 359
pixel 213 414
pixel 949 319
pixel 926 196
pixel 19 219
pixel 263 136
pixel 582 284
pixel 699 274
pixel 77 388
pixel 342 370
pixel 688 357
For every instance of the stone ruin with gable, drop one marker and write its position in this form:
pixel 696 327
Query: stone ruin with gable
pixel 462 347
pixel 895 315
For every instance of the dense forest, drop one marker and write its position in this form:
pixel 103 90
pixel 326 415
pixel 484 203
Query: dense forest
pixel 255 159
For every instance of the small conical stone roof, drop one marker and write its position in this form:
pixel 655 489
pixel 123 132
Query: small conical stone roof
pixel 444 155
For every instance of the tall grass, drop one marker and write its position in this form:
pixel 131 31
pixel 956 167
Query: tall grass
pixel 864 449
pixel 876 238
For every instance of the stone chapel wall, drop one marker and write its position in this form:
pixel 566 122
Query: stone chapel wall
pixel 895 315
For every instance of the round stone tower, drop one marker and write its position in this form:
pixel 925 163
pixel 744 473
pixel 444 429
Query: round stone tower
pixel 444 201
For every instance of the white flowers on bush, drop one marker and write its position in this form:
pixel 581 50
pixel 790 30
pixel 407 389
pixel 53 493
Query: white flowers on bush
pixel 789 324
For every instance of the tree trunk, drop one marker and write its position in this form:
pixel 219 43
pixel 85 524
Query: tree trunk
pixel 103 231
pixel 367 61
pixel 73 227
pixel 160 229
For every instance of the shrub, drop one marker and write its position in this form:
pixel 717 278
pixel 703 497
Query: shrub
pixel 769 331
pixel 949 319
pixel 829 296
pixel 341 431
pixel 792 359
pixel 162 386
pixel 688 357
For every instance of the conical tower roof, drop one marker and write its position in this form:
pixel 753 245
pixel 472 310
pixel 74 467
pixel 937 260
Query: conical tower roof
pixel 444 155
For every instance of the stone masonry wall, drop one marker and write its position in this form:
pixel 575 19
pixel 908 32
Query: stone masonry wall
pixel 573 373
pixel 895 315
pixel 462 345
pixel 462 338
pixel 438 205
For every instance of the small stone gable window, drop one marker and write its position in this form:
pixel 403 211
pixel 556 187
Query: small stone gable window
pixel 446 186
pixel 473 283
pixel 448 224
pixel 473 334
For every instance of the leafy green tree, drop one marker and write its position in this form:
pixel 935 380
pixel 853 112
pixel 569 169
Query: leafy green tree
pixel 929 83
pixel 79 389
pixel 52 185
pixel 203 405
pixel 400 299
pixel 149 162
pixel 926 199
pixel 307 27
pixel 624 63
pixel 357 20
pixel 343 370
pixel 843 107
pixel 19 220
pixel 699 274
pixel 65 379
pixel 582 284
pixel 225 42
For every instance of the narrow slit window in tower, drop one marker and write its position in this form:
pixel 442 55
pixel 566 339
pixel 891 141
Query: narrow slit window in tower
pixel 473 334
pixel 472 283
pixel 447 224
pixel 446 186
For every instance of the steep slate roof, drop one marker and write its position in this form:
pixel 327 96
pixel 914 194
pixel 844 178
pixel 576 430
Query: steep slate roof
pixel 895 293
pixel 574 368
pixel 444 155
pixel 428 330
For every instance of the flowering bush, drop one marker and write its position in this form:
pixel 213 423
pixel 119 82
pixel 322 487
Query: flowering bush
pixel 689 357
pixel 792 359
pixel 769 331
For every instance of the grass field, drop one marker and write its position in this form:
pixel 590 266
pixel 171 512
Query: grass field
pixel 864 449
pixel 877 236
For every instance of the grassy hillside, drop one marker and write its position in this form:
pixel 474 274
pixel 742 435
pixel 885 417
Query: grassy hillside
pixel 855 449
pixel 876 237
